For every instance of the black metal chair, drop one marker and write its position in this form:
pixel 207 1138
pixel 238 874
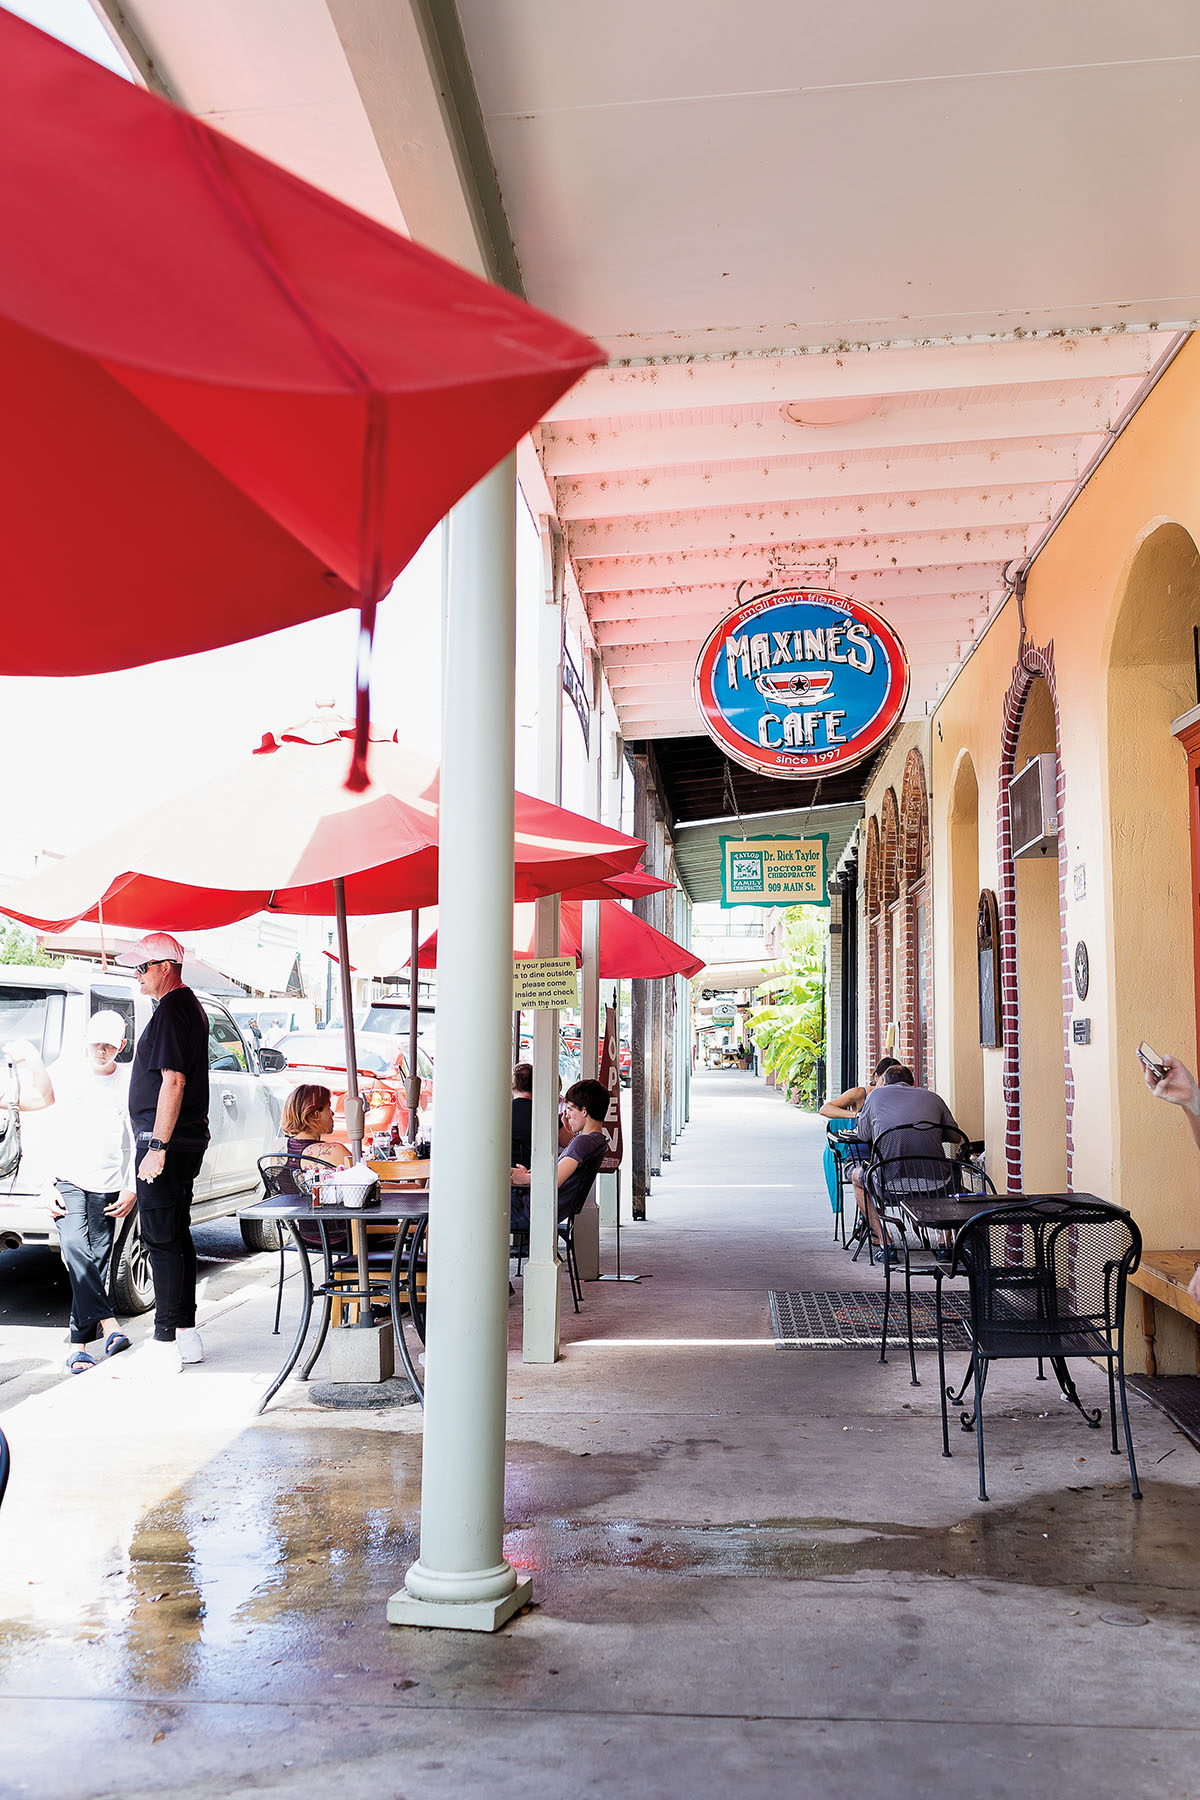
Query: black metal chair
pixel 911 1161
pixel 566 1228
pixel 289 1176
pixel 566 1233
pixel 1047 1281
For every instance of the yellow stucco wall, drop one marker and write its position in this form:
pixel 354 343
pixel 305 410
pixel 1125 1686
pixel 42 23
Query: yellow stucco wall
pixel 1125 816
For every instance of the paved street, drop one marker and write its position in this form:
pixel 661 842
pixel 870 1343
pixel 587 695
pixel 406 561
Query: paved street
pixel 35 1301
pixel 753 1570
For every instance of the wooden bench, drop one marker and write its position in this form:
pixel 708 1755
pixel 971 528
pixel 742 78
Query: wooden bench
pixel 1162 1276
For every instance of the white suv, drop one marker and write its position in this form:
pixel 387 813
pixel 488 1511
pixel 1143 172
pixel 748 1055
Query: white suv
pixel 50 1008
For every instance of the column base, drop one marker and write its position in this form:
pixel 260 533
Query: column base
pixel 540 1341
pixel 461 1615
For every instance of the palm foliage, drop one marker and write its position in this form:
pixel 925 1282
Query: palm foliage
pixel 790 1030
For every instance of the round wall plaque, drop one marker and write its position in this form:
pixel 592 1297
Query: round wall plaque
pixel 1081 969
pixel 801 682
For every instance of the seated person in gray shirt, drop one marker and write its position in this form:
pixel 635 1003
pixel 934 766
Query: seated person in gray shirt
pixel 898 1103
pixel 585 1105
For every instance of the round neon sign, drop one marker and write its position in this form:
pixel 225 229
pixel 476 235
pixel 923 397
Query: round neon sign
pixel 801 682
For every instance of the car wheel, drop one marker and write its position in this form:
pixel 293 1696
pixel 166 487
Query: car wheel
pixel 133 1283
pixel 260 1234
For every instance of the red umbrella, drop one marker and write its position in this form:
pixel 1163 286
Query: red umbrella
pixel 232 403
pixel 280 834
pixel 634 886
pixel 629 948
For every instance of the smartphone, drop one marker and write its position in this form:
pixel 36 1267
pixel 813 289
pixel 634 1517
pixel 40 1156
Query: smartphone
pixel 1151 1061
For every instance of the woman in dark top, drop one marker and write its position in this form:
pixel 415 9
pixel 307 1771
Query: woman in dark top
pixel 307 1121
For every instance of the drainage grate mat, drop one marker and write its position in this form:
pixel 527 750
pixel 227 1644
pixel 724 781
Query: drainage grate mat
pixel 1176 1395
pixel 855 1320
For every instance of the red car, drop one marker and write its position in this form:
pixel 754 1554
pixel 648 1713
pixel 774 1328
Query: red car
pixel 320 1057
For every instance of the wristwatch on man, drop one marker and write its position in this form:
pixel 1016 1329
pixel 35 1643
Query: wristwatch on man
pixel 156 1144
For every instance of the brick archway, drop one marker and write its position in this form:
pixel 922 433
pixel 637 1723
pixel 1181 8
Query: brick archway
pixel 916 1009
pixel 871 938
pixel 1037 664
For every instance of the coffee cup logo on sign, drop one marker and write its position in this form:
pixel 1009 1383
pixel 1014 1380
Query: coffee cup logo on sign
pixel 801 682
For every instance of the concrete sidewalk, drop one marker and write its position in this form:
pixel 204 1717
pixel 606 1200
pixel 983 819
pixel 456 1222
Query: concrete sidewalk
pixel 753 1569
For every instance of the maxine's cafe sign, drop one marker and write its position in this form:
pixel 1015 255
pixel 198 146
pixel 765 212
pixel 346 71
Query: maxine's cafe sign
pixel 801 682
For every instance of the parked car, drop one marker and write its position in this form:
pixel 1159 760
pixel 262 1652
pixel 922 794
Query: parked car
pixel 50 1008
pixel 320 1056
pixel 625 1062
pixel 390 1018
pixel 275 1018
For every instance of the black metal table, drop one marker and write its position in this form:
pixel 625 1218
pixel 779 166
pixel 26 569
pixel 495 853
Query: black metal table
pixel 946 1212
pixel 408 1211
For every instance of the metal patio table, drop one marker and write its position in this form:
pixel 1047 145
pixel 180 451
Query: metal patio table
pixel 408 1211
pixel 946 1212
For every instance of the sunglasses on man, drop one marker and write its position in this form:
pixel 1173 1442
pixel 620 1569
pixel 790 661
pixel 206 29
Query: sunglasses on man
pixel 142 967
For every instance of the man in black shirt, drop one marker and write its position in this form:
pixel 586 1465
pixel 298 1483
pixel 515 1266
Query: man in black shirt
pixel 522 1114
pixel 168 1109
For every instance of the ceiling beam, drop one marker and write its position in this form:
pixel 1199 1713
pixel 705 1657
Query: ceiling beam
pixel 873 587
pixel 694 627
pixel 965 510
pixel 917 550
pixel 570 450
pixel 751 484
pixel 648 665
pixel 676 383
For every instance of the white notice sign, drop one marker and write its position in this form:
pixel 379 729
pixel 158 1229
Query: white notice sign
pixel 545 984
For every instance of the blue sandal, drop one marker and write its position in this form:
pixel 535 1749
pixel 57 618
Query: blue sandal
pixel 79 1362
pixel 115 1342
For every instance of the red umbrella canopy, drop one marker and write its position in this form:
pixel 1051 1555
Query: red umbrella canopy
pixel 634 886
pixel 629 948
pixel 274 836
pixel 233 403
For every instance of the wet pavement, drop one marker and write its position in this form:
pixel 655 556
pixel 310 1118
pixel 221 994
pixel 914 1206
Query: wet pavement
pixel 753 1569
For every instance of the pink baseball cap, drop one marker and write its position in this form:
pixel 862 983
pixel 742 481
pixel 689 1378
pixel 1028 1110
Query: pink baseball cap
pixel 156 946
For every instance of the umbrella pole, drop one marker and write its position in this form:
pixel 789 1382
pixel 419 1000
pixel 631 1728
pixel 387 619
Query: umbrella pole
pixel 413 1094
pixel 354 1108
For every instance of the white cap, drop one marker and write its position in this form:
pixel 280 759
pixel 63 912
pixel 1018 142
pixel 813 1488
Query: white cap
pixel 156 946
pixel 106 1028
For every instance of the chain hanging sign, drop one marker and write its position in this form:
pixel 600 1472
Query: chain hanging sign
pixel 801 682
pixel 774 871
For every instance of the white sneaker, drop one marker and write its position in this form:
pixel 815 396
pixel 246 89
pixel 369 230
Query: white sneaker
pixel 149 1361
pixel 191 1345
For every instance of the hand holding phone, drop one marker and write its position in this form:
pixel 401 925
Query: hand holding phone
pixel 1152 1062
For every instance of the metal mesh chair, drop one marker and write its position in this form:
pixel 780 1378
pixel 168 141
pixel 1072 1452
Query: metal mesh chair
pixel 519 1245
pixel 1047 1280
pixel 914 1161
pixel 849 1152
pixel 289 1176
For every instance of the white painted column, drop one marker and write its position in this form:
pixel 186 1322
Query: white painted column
pixel 461 1579
pixel 612 763
pixel 590 1009
pixel 541 1304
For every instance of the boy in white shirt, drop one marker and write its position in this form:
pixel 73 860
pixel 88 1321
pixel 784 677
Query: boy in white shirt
pixel 93 1171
